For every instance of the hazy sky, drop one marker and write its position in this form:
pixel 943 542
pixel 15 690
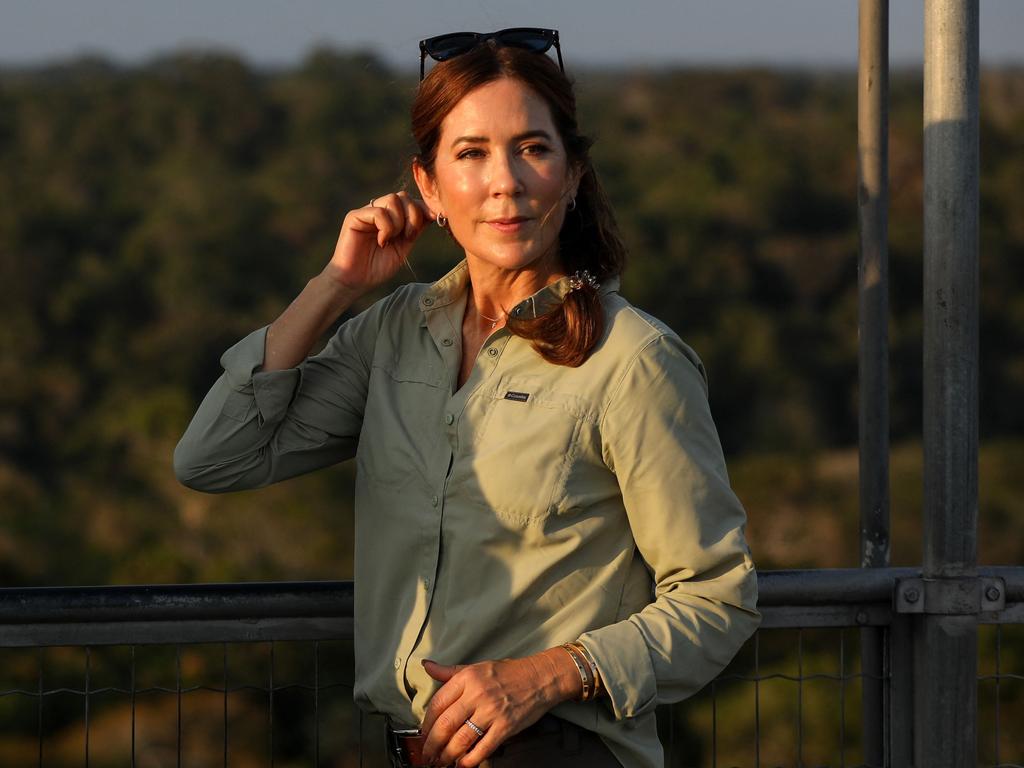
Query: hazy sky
pixel 593 31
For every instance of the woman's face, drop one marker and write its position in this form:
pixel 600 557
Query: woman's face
pixel 501 177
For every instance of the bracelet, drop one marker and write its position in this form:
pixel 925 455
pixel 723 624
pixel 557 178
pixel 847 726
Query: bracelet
pixel 594 673
pixel 584 671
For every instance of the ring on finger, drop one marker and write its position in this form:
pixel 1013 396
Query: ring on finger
pixel 474 727
pixel 372 199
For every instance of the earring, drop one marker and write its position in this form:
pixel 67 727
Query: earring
pixel 442 221
pixel 572 205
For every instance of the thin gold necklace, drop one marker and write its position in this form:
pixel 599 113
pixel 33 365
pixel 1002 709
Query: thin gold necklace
pixel 492 320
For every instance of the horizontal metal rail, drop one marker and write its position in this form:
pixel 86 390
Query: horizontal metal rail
pixel 176 601
pixel 113 615
pixel 828 586
pixel 847 597
pixel 176 613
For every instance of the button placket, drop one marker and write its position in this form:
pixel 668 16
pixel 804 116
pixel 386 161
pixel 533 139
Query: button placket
pixel 492 352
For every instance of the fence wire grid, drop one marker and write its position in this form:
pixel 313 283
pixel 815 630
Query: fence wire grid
pixel 791 697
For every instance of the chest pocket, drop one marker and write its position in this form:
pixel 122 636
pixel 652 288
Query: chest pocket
pixel 401 424
pixel 525 440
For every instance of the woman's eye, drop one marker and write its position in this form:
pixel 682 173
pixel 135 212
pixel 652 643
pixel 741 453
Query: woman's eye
pixel 535 149
pixel 470 154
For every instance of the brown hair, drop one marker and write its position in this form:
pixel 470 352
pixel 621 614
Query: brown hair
pixel 589 238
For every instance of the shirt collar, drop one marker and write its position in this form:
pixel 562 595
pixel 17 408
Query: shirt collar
pixel 452 286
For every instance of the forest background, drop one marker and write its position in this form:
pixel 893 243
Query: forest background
pixel 152 215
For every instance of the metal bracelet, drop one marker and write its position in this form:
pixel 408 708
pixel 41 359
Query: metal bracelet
pixel 584 672
pixel 594 673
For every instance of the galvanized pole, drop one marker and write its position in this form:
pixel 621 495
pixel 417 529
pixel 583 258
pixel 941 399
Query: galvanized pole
pixel 873 289
pixel 873 280
pixel 946 647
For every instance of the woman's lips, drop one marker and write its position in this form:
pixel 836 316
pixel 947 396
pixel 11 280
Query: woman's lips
pixel 508 225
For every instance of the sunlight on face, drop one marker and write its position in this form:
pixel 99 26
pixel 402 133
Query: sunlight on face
pixel 502 178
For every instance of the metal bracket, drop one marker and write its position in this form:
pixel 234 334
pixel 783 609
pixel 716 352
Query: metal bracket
pixel 956 596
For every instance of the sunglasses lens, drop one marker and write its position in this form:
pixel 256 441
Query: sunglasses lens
pixel 536 40
pixel 444 47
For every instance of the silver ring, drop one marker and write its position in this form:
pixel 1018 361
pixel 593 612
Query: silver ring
pixel 474 727
pixel 372 199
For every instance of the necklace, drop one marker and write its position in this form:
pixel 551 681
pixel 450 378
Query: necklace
pixel 492 320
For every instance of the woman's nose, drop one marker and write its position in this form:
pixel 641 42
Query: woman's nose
pixel 506 177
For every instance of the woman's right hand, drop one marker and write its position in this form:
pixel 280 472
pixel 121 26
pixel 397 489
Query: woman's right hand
pixel 376 240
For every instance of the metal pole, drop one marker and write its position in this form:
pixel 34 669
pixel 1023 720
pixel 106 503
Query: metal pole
pixel 873 279
pixel 946 679
pixel 873 289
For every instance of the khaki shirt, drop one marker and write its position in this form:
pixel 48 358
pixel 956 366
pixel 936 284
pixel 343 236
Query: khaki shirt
pixel 536 505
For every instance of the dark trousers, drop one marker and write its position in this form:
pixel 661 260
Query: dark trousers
pixel 550 743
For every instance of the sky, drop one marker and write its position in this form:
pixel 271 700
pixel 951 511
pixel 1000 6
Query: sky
pixel 594 32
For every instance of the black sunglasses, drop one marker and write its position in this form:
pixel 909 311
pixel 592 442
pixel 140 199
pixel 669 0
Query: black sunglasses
pixel 444 47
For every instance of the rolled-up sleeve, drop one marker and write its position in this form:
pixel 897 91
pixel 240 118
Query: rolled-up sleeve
pixel 660 441
pixel 257 427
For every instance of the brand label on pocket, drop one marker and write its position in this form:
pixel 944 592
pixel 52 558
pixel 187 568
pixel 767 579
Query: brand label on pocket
pixel 519 397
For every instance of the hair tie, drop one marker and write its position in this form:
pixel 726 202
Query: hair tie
pixel 582 278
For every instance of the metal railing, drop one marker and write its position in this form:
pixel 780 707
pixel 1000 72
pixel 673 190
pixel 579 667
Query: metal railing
pixel 918 631
pixel 298 641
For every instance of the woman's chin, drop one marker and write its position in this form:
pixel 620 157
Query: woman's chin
pixel 512 259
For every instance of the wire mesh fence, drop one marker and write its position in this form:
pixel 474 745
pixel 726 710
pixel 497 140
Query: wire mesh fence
pixel 239 704
pixel 793 696
pixel 290 704
pixel 1001 695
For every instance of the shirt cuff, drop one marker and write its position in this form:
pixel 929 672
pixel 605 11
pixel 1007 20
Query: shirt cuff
pixel 272 390
pixel 624 663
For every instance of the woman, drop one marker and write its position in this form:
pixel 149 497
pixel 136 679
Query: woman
pixel 546 542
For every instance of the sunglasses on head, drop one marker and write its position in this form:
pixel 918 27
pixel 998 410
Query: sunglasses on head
pixel 444 47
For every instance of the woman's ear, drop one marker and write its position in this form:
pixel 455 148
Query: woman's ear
pixel 427 187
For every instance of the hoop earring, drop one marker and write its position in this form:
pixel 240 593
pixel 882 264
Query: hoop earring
pixel 572 205
pixel 442 221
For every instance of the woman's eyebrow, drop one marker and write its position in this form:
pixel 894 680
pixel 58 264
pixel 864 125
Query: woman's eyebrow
pixel 535 134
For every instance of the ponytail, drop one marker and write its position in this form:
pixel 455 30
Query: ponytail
pixel 590 241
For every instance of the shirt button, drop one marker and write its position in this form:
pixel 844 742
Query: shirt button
pixel 398 662
pixel 428 302
pixel 426 584
pixel 446 342
pixel 449 419
pixel 517 311
pixel 433 501
pixel 492 352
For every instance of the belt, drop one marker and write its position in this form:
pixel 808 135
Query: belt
pixel 405 747
pixel 405 744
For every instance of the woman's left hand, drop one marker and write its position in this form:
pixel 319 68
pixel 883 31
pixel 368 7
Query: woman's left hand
pixel 500 697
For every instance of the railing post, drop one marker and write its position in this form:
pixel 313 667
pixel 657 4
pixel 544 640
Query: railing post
pixel 899 714
pixel 873 360
pixel 946 645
